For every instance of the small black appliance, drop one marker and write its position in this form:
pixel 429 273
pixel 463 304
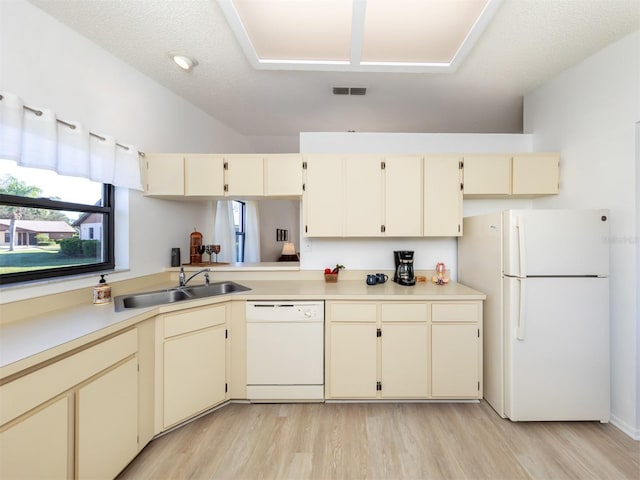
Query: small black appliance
pixel 404 267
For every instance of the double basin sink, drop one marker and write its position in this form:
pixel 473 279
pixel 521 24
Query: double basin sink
pixel 176 294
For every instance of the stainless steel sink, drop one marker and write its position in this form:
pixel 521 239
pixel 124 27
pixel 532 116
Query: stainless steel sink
pixel 178 294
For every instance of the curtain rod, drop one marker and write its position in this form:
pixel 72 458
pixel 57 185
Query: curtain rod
pixel 72 126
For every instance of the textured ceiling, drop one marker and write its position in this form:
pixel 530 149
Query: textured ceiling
pixel 526 43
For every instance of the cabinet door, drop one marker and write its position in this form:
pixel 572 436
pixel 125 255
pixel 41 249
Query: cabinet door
pixel 244 175
pixel 404 360
pixel 352 365
pixel 38 446
pixel 442 196
pixel 455 360
pixel 204 175
pixel 107 428
pixel 363 196
pixel 194 373
pixel 535 174
pixel 487 175
pixel 165 174
pixel 403 196
pixel 283 175
pixel 323 199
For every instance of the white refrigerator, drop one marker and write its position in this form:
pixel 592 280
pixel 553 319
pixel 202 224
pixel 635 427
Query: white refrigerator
pixel 546 316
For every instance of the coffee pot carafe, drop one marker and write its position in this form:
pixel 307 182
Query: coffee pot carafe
pixel 404 267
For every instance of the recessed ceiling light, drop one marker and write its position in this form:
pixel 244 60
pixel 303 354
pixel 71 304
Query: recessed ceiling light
pixel 183 61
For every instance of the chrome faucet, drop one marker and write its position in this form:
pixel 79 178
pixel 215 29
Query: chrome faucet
pixel 181 277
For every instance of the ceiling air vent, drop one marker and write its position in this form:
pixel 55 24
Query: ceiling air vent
pixel 349 90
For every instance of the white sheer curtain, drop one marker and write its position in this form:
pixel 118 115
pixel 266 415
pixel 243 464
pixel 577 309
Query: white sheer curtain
pixel 38 139
pixel 252 233
pixel 224 231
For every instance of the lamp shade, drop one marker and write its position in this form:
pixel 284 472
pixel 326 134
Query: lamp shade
pixel 288 249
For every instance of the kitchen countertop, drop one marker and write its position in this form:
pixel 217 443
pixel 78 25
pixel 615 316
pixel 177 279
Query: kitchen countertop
pixel 26 343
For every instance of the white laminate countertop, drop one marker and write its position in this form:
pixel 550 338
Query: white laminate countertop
pixel 26 343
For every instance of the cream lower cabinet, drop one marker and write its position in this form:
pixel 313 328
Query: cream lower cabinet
pixel 38 446
pixel 403 350
pixel 376 350
pixel 456 349
pixel 192 352
pixel 107 428
pixel 352 369
pixel 74 418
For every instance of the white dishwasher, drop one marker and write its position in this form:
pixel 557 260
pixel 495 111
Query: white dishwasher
pixel 285 351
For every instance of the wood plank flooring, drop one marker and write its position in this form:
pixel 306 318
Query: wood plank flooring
pixel 384 441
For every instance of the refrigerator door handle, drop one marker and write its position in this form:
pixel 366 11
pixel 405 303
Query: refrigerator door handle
pixel 520 326
pixel 521 249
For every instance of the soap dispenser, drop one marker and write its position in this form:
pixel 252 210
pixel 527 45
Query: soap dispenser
pixel 102 292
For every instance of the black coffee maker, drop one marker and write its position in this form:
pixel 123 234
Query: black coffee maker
pixel 404 267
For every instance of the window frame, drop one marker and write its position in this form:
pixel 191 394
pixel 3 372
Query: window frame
pixel 107 209
pixel 241 232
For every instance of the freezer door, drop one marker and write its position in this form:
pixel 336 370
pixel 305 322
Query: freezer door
pixel 556 242
pixel 557 348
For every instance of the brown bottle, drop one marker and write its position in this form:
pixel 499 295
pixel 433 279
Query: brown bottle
pixel 195 242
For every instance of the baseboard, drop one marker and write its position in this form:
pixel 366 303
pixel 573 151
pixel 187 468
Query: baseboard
pixel 625 428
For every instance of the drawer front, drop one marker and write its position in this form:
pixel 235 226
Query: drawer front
pixel 353 312
pixel 29 391
pixel 192 320
pixel 404 312
pixel 455 312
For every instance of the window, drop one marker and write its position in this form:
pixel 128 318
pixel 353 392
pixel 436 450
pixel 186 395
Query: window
pixel 239 219
pixel 53 225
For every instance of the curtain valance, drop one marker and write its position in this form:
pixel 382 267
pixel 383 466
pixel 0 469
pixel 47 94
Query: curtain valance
pixel 38 139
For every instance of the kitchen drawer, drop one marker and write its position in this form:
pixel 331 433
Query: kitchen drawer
pixel 29 391
pixel 353 312
pixel 455 312
pixel 404 312
pixel 192 320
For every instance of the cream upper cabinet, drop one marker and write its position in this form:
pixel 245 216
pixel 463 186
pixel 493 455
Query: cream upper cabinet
pixel 283 175
pixel 442 196
pixel 344 196
pixel 244 175
pixel 487 174
pixel 403 197
pixel 107 422
pixel 527 175
pixel 536 174
pixel 204 175
pixel 363 198
pixel 38 446
pixel 323 199
pixel 193 363
pixel 164 174
pixel 456 349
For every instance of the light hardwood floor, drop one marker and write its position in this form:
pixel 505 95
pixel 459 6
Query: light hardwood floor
pixel 385 441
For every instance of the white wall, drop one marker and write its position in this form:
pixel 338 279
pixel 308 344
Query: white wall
pixel 589 114
pixel 377 253
pixel 51 66
pixel 284 214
